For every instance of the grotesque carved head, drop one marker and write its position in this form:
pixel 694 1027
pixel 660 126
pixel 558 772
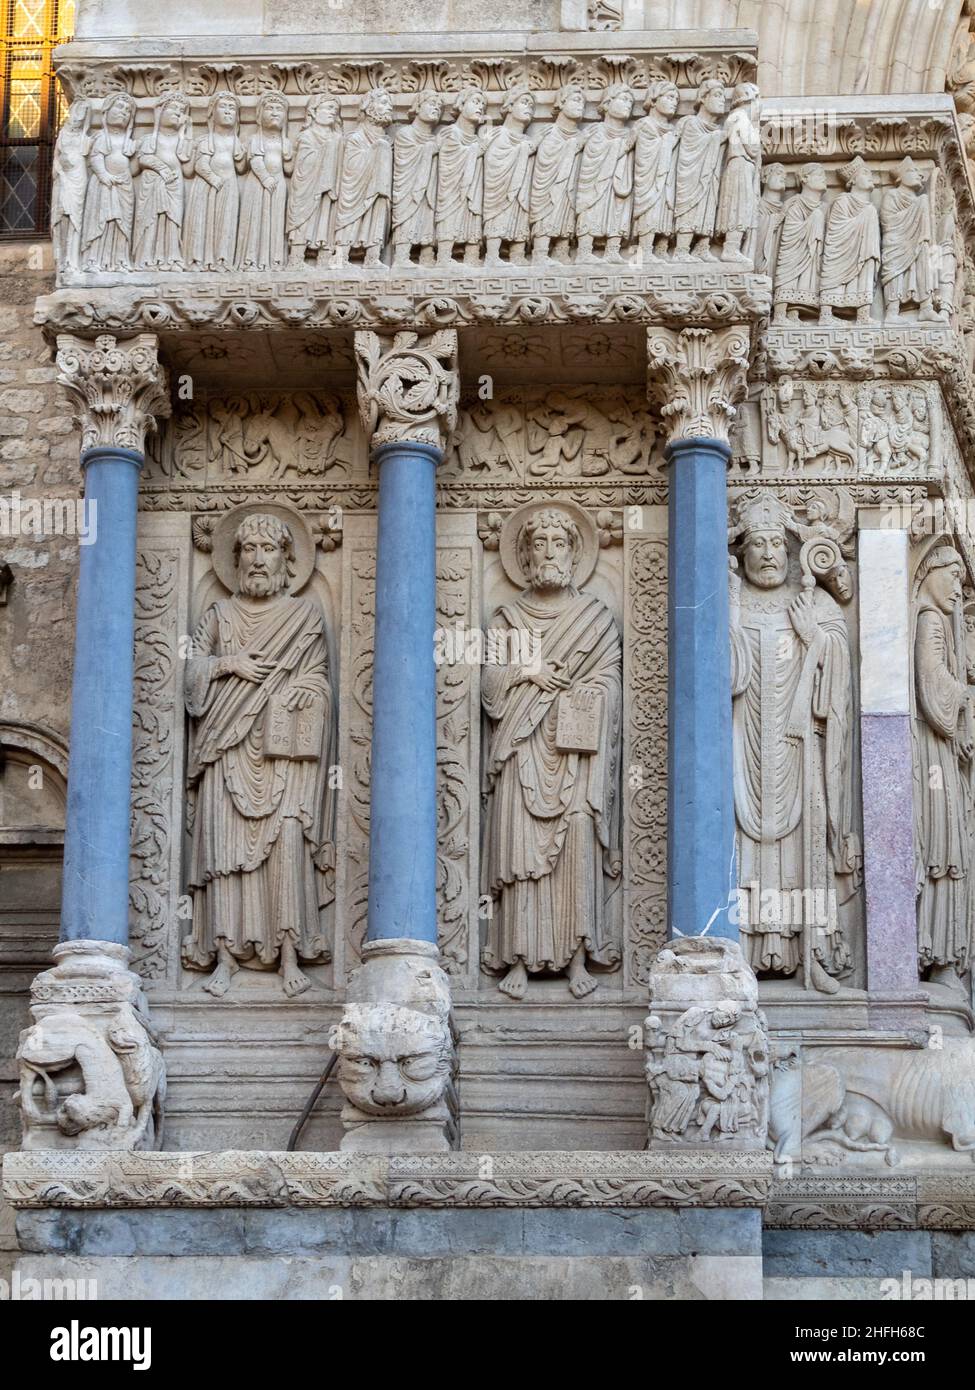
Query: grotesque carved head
pixel 548 546
pixel 264 553
pixel 393 1060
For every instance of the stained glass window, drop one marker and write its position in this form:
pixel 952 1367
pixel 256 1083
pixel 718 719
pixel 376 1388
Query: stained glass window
pixel 30 110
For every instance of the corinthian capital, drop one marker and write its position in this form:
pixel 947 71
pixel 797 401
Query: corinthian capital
pixel 408 386
pixel 118 389
pixel 696 376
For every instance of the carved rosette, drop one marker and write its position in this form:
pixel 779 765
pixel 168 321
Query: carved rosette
pixel 118 388
pixel 91 1075
pixel 697 376
pixel 408 386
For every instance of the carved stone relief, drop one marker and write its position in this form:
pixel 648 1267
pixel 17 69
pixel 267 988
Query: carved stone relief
pixel 645 748
pixel 944 805
pixel 833 428
pixel 551 865
pixel 472 173
pixel 860 243
pixel 260 808
pixel 799 857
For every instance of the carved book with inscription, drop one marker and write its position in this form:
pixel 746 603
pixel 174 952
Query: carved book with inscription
pixel 579 719
pixel 293 733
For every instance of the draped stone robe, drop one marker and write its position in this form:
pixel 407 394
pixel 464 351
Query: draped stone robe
pixel 907 272
pixel 605 190
pixel 941 800
pixel 792 722
pixel 552 818
pixel 365 188
pixel 654 174
pixel 460 186
pixel 314 186
pixel 797 267
pixel 553 185
pixel 262 855
pixel 507 180
pixel 414 185
pixel 851 253
pixel 700 149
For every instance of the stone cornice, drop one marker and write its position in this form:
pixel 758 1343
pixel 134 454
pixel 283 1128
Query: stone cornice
pixel 417 299
pixel 929 1200
pixel 117 388
pixel 346 64
pixel 260 1179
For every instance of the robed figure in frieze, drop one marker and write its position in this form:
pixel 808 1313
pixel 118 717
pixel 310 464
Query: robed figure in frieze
pixel 799 856
pixel 259 693
pixel 552 692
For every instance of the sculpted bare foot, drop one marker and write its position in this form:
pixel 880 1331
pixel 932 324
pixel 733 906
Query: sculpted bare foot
pixel 293 980
pixel 515 982
pixel 581 982
pixel 219 981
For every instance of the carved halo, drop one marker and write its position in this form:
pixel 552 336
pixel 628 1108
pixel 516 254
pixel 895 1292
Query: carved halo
pixel 226 529
pixel 588 552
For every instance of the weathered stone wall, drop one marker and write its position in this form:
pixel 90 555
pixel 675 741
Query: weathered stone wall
pixel 38 459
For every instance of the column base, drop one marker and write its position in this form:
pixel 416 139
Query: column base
pixel 91 1075
pixel 397 1053
pixel 707 1049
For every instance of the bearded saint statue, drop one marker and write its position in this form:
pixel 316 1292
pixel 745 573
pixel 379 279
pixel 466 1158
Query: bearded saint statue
pixel 799 859
pixel 552 853
pixel 257 688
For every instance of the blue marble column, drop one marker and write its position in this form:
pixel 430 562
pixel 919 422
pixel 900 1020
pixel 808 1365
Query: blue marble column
pixel 118 388
pixel 696 375
pixel 96 837
pixel 403 798
pixel 701 871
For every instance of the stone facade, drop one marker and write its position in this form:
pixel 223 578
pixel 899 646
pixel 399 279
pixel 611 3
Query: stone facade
pixel 552 592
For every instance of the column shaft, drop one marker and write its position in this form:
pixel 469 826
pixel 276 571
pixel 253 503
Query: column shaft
pixel 403 816
pixel 96 841
pixel 887 759
pixel 701 872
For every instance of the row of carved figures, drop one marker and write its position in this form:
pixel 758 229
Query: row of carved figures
pixel 645 189
pixel 796 794
pixel 826 257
